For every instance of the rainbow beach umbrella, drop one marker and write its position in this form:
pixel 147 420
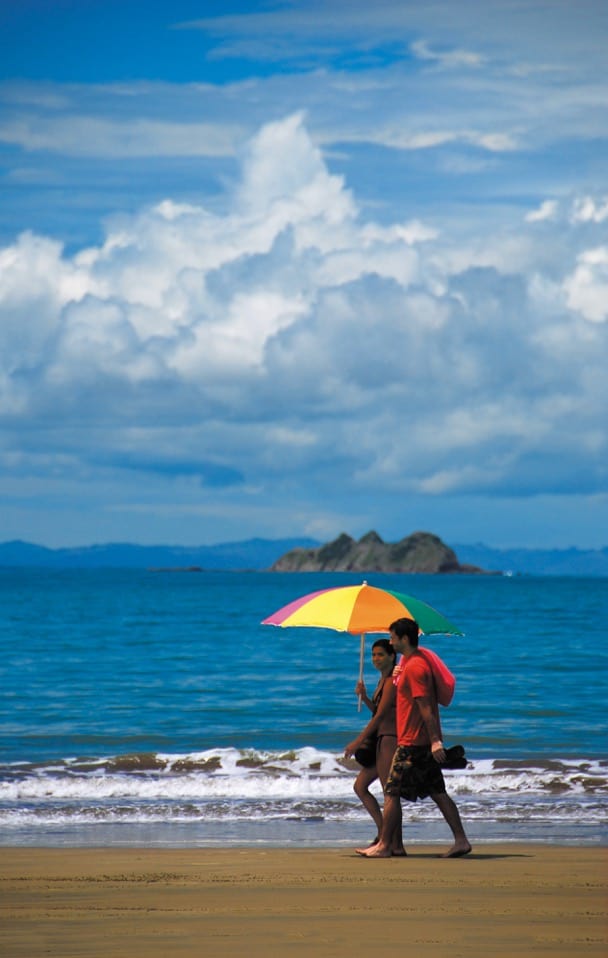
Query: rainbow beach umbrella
pixel 359 609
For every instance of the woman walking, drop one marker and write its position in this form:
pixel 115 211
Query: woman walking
pixel 382 728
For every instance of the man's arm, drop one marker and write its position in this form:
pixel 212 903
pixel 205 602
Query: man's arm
pixel 428 717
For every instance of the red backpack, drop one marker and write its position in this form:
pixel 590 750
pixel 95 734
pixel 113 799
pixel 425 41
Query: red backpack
pixel 445 681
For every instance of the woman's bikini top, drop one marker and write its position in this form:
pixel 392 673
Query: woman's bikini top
pixel 388 723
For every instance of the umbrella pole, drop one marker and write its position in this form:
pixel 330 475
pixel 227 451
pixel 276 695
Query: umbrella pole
pixel 361 664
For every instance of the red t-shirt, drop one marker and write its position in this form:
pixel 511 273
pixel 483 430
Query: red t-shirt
pixel 415 680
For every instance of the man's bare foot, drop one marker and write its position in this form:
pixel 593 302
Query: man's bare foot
pixel 399 852
pixel 459 850
pixel 374 851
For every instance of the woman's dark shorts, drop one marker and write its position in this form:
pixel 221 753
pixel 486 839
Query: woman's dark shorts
pixel 414 773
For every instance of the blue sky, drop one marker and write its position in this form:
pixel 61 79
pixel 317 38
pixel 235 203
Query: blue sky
pixel 298 268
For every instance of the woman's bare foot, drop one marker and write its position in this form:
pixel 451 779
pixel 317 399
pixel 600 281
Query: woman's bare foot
pixel 374 851
pixel 459 850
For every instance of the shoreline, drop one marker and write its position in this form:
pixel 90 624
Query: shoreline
pixel 503 899
pixel 310 828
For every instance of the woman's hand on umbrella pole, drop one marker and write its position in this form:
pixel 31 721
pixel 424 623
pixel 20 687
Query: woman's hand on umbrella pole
pixel 361 693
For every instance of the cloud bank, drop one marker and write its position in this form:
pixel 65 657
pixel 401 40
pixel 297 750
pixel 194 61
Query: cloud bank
pixel 225 355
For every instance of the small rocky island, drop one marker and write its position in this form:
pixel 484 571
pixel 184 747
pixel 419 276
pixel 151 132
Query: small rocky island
pixel 420 552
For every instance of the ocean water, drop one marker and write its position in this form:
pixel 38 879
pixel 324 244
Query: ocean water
pixel 143 707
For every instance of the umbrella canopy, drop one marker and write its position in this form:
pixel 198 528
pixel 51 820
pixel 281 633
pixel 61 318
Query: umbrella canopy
pixel 359 608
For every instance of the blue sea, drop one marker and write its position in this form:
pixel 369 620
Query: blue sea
pixel 153 708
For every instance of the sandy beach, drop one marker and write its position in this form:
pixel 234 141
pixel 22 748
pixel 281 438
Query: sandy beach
pixel 503 900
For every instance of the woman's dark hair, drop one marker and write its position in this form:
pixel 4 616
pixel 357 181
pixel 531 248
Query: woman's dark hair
pixel 386 645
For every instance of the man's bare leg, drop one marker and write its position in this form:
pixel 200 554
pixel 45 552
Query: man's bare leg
pixel 450 812
pixel 391 825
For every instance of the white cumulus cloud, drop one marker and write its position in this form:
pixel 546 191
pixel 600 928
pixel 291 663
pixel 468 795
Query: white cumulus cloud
pixel 587 287
pixel 291 335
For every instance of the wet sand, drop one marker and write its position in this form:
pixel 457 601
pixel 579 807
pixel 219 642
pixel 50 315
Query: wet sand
pixel 503 900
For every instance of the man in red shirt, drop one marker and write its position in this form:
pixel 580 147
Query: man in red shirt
pixel 416 768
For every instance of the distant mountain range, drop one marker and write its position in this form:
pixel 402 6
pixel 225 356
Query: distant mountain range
pixel 582 562
pixel 254 554
pixel 259 554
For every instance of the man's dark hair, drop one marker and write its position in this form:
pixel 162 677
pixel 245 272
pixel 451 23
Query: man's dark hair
pixel 406 628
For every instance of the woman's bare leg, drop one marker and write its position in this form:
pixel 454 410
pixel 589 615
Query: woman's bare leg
pixel 392 821
pixel 361 787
